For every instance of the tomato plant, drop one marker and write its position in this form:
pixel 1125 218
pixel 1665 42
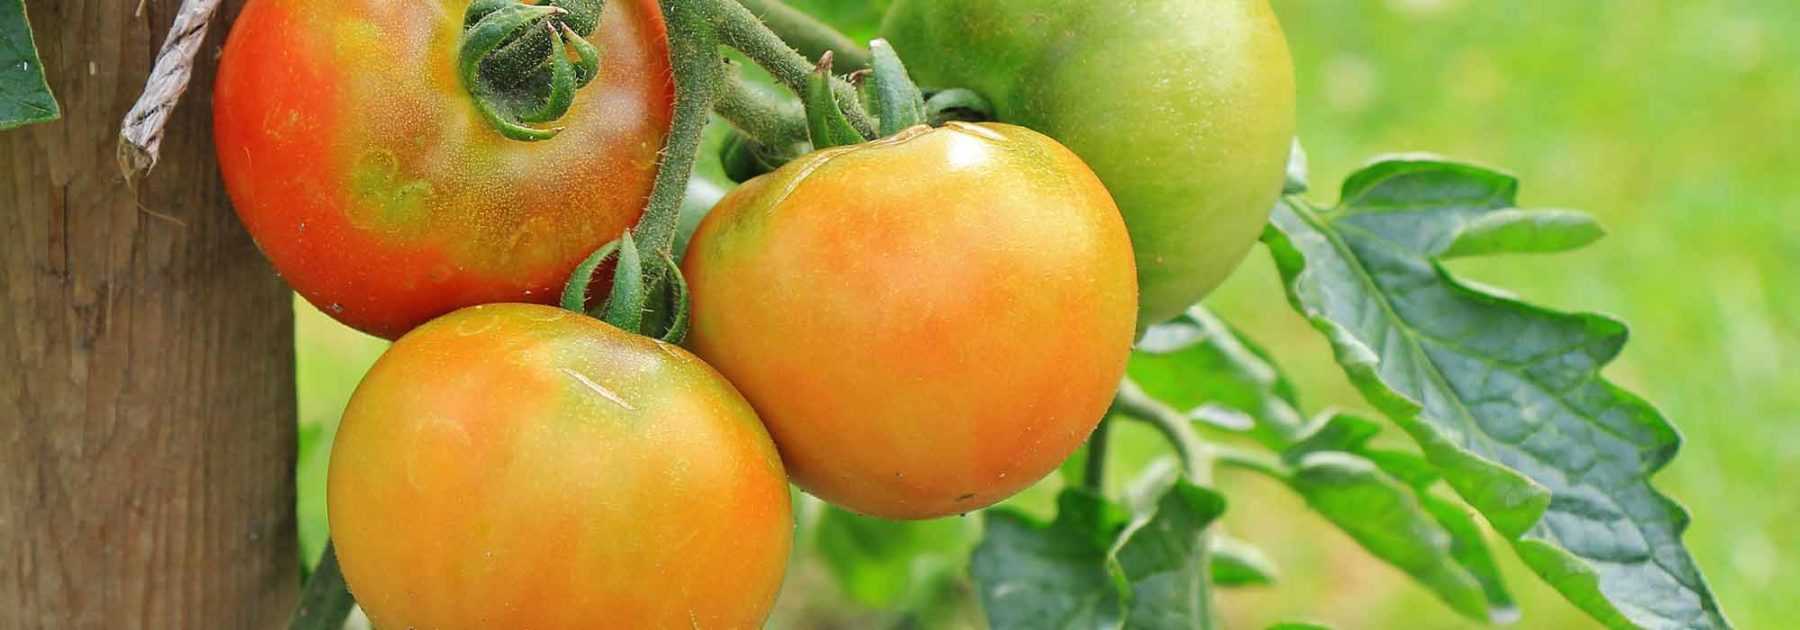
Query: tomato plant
pixel 927 323
pixel 361 161
pixel 521 466
pixel 1185 109
pixel 924 316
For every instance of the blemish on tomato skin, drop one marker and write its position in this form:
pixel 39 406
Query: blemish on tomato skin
pixel 597 388
pixel 476 323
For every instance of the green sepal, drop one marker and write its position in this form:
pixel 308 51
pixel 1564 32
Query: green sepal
pixel 562 83
pixel 825 120
pixel 575 291
pixel 589 67
pixel 896 97
pixel 625 306
pixel 480 41
pixel 679 301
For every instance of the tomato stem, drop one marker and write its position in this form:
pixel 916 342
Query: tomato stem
pixel 806 33
pixel 769 119
pixel 326 601
pixel 741 30
pixel 1093 476
pixel 1197 457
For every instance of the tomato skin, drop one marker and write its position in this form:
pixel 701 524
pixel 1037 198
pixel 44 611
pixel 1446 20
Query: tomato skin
pixel 928 323
pixel 364 171
pixel 521 466
pixel 1185 108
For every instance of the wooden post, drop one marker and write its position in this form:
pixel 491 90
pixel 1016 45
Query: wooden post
pixel 147 435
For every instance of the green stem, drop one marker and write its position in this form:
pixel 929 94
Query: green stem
pixel 326 602
pixel 807 33
pixel 739 29
pixel 1197 459
pixel 767 118
pixel 1093 476
pixel 698 70
pixel 1196 456
pixel 1259 463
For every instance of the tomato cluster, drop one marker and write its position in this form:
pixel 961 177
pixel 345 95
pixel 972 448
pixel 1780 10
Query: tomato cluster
pixel 920 325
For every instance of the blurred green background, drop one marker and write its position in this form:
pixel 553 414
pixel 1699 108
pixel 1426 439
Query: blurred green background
pixel 1674 122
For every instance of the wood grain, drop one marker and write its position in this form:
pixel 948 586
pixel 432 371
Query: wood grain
pixel 147 430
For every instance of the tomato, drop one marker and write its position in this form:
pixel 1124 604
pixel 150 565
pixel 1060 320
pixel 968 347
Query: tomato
pixel 927 323
pixel 1185 108
pixel 366 173
pixel 521 466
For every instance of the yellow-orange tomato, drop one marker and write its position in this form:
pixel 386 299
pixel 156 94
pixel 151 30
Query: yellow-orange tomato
pixel 362 166
pixel 520 466
pixel 927 323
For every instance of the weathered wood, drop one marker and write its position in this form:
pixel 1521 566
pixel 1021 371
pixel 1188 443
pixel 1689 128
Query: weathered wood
pixel 146 360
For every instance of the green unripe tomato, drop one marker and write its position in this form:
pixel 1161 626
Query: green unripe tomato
pixel 1185 109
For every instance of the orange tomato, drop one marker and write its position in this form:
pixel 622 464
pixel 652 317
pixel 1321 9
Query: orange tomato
pixel 521 466
pixel 927 323
pixel 367 175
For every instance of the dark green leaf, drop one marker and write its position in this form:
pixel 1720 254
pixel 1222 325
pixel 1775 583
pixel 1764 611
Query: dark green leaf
pixel 1057 575
pixel 1197 362
pixel 24 96
pixel 1504 397
pixel 1095 567
pixel 1163 556
pixel 1385 517
pixel 884 564
pixel 1199 356
pixel 1239 563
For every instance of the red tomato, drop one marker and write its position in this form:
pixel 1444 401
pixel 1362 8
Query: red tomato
pixel 521 466
pixel 362 167
pixel 927 323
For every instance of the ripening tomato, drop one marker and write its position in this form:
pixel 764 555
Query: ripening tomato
pixel 1185 108
pixel 364 170
pixel 521 466
pixel 927 323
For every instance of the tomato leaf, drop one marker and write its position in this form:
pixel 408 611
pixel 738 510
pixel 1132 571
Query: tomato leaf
pixel 24 96
pixel 1505 398
pixel 1238 563
pixel 1163 555
pixel 1096 567
pixel 1381 499
pixel 1385 517
pixel 1052 575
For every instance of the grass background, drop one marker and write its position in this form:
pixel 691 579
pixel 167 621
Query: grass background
pixel 1673 122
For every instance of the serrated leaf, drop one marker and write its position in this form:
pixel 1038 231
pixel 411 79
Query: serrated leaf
pixel 885 564
pixel 1385 517
pixel 1095 566
pixel 1239 563
pixel 1521 231
pixel 1197 362
pixel 1199 355
pixel 1163 557
pixel 1504 398
pixel 24 96
pixel 1054 575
